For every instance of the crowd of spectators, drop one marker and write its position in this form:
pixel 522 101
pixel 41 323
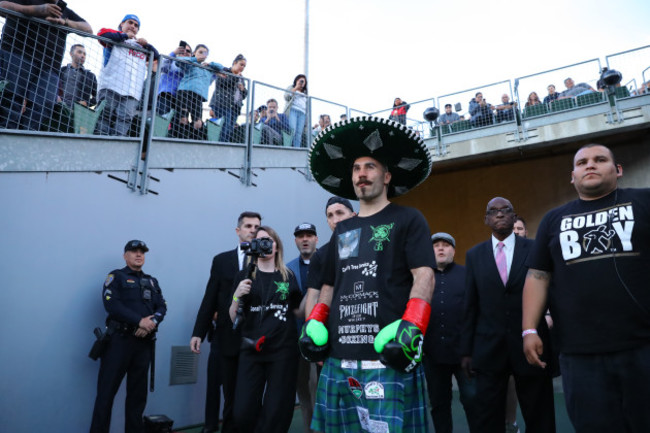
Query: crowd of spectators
pixel 35 84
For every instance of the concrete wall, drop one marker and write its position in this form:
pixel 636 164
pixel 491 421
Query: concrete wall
pixel 63 232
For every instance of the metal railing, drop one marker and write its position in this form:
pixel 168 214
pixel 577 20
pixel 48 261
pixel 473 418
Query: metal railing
pixel 82 89
pixel 632 64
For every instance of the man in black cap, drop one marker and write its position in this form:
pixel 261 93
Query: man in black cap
pixel 306 240
pixel 135 308
pixel 378 280
pixel 337 209
pixel 442 341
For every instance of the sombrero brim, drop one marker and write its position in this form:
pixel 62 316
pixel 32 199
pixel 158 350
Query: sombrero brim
pixel 337 147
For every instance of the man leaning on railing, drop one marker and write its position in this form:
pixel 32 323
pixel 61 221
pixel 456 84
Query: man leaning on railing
pixel 30 60
pixel 122 78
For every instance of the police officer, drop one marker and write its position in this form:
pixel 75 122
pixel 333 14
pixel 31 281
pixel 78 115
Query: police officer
pixel 135 308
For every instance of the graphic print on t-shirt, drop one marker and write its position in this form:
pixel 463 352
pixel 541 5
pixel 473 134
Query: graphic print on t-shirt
pixel 349 244
pixel 597 234
pixel 381 234
pixel 282 289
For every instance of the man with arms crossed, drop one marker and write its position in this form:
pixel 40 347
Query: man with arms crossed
pixel 596 250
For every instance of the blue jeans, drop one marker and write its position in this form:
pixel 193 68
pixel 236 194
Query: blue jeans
pixel 439 386
pixel 229 115
pixel 117 114
pixel 608 392
pixel 297 125
pixel 28 80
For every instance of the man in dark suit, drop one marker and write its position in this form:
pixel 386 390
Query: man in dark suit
pixel 224 342
pixel 491 343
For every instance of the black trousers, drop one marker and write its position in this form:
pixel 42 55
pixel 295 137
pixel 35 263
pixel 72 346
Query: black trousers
pixel 130 356
pixel 222 374
pixel 270 411
pixel 608 392
pixel 439 386
pixel 535 395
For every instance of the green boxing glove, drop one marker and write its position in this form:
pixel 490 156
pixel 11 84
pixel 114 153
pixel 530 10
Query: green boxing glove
pixel 399 344
pixel 313 341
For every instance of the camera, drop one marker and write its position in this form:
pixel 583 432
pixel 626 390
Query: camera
pixel 258 247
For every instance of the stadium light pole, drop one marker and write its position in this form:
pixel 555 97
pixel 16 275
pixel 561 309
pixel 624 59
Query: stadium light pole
pixel 307 39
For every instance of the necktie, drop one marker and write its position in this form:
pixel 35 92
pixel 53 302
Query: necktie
pixel 502 266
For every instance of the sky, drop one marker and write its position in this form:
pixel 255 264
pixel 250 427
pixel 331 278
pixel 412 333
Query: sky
pixel 364 53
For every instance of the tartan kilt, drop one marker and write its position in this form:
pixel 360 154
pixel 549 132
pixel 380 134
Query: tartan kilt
pixel 338 409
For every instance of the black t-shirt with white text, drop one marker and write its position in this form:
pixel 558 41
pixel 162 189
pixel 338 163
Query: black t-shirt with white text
pixel 369 264
pixel 597 251
pixel 269 309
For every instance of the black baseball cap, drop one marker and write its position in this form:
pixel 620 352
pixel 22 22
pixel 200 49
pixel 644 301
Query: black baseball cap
pixel 305 227
pixel 135 245
pixel 335 199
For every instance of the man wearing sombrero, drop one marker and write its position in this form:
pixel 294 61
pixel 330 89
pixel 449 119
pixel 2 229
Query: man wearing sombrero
pixel 378 282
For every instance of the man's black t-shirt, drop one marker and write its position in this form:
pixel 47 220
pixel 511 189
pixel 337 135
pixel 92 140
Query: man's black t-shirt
pixel 369 264
pixel 598 251
pixel 269 311
pixel 43 43
pixel 315 273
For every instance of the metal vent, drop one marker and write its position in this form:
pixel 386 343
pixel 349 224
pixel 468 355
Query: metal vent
pixel 184 366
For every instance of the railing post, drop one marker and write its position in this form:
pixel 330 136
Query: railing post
pixel 245 175
pixel 140 177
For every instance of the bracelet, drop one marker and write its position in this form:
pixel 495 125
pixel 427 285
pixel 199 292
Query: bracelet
pixel 235 298
pixel 528 331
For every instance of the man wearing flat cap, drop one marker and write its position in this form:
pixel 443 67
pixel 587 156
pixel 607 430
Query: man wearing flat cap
pixel 442 341
pixel 135 307
pixel 378 282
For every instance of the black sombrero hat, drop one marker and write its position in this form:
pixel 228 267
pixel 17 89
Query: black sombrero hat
pixel 337 147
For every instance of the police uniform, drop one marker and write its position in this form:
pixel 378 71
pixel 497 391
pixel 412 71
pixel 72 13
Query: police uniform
pixel 128 296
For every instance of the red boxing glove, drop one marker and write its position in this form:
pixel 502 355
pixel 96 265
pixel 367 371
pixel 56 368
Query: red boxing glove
pixel 320 312
pixel 418 312
pixel 313 341
pixel 400 344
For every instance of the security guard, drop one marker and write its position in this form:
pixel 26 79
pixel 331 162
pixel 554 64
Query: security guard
pixel 135 308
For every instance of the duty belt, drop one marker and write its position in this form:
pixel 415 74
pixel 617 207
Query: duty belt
pixel 121 327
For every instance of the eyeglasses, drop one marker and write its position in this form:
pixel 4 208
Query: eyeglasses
pixel 188 51
pixel 137 244
pixel 504 210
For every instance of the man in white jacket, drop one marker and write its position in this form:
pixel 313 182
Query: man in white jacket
pixel 122 77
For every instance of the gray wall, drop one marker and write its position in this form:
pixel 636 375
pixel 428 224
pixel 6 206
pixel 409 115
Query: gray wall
pixel 63 232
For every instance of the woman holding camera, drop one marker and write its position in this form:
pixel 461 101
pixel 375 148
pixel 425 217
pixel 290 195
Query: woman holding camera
pixel 269 351
pixel 296 108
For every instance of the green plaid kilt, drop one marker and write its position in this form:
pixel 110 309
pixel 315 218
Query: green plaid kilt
pixel 342 408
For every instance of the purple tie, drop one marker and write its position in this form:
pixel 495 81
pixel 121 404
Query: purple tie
pixel 502 266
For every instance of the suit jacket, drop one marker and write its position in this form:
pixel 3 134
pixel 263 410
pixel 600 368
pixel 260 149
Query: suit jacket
pixel 492 325
pixel 218 297
pixel 294 265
